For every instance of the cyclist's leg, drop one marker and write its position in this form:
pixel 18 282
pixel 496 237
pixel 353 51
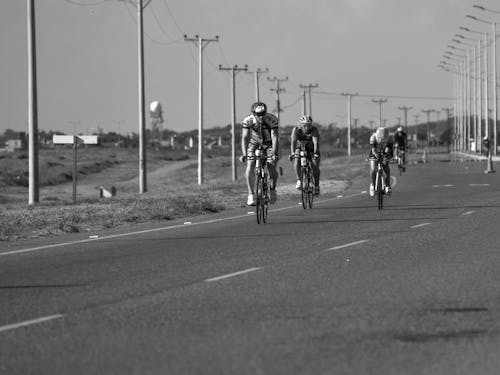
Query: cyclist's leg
pixel 273 174
pixel 297 168
pixel 387 173
pixel 250 172
pixel 316 174
pixel 373 170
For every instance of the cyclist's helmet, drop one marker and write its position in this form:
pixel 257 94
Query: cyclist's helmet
pixel 381 134
pixel 399 129
pixel 305 122
pixel 259 109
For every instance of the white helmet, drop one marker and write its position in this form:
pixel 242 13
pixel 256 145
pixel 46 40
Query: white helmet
pixel 381 134
pixel 399 129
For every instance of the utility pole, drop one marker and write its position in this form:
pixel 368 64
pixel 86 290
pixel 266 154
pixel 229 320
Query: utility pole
pixel 448 111
pixel 416 117
pixel 309 87
pixel 32 108
pixel 349 96
pixel 201 43
pixel 304 103
pixel 428 113
pixel 405 110
pixel 142 116
pixel 278 90
pixel 399 120
pixel 233 71
pixel 371 124
pixel 379 102
pixel 256 74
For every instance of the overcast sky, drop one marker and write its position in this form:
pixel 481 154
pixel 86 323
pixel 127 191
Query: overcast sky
pixel 87 59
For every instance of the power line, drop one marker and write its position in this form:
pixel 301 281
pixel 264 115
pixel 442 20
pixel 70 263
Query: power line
pixel 388 96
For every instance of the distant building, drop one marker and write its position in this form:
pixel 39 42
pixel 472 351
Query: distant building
pixel 13 144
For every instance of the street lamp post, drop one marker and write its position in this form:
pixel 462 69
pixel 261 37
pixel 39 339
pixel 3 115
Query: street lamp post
pixel 495 88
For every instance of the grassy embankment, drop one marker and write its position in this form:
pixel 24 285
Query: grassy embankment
pixel 172 193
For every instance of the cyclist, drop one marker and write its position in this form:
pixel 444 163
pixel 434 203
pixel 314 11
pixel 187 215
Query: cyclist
pixel 260 128
pixel 400 144
pixel 381 149
pixel 306 132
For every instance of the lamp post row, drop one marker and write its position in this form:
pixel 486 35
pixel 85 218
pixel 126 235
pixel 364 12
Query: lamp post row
pixel 471 86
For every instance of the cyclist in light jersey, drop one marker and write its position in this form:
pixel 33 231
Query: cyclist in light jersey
pixel 260 128
pixel 306 132
pixel 381 149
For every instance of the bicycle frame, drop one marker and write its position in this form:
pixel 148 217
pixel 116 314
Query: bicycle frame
pixel 380 185
pixel 261 185
pixel 307 177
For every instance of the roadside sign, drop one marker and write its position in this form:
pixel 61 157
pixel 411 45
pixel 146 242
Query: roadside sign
pixel 74 140
pixel 69 139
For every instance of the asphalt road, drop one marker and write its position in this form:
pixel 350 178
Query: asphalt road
pixel 340 289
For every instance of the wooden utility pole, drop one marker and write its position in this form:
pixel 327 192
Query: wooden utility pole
pixel 309 88
pixel 349 96
pixel 233 71
pixel 201 43
pixel 32 108
pixel 278 89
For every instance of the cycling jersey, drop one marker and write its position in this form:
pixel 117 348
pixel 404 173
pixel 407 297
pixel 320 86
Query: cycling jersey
pixel 383 147
pixel 302 136
pixel 261 132
pixel 400 139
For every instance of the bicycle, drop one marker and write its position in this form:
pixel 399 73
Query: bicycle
pixel 262 191
pixel 399 160
pixel 380 184
pixel 307 177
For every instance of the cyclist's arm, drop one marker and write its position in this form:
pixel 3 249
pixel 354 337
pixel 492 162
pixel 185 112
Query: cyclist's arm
pixel 293 141
pixel 244 141
pixel 275 140
pixel 315 140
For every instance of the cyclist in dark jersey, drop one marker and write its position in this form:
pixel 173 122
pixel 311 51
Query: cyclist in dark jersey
pixel 305 132
pixel 400 144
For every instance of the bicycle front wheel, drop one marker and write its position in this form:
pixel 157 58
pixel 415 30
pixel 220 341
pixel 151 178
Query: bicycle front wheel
pixel 305 188
pixel 380 191
pixel 259 195
pixel 310 189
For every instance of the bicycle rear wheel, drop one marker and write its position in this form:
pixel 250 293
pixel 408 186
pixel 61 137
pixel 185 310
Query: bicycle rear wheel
pixel 266 197
pixel 305 188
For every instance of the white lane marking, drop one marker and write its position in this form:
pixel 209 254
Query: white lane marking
pixel 30 322
pixel 233 274
pixel 347 245
pixel 420 225
pixel 50 246
pixel 479 184
pixel 468 213
pixel 436 186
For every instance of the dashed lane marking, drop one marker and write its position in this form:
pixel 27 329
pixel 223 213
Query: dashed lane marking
pixel 26 323
pixel 468 213
pixel 420 225
pixel 347 245
pixel 233 274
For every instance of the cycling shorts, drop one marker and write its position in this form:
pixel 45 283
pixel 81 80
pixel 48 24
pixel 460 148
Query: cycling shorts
pixel 268 149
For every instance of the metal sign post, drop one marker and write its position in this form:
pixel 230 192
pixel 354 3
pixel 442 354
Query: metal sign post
pixel 74 140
